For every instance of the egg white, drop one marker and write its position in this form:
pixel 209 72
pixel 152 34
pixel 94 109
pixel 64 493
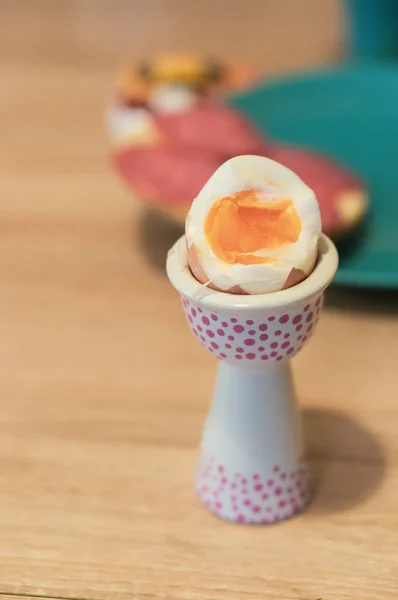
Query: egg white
pixel 278 183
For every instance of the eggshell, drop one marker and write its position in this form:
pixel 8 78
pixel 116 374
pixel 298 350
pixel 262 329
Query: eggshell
pixel 199 273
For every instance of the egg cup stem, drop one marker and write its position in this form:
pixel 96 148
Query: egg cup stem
pixel 251 467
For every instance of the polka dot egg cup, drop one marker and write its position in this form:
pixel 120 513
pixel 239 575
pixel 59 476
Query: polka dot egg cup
pixel 251 467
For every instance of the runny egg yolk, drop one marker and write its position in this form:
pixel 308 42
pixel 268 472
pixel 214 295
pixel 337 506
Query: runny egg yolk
pixel 237 226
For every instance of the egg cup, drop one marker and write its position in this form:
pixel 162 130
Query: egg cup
pixel 252 467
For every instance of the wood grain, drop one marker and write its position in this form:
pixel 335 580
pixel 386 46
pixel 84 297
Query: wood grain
pixel 104 390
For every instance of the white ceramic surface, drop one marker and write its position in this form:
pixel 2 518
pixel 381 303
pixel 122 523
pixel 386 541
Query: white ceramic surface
pixel 252 467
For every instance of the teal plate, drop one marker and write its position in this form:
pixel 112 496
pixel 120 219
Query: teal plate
pixel 351 114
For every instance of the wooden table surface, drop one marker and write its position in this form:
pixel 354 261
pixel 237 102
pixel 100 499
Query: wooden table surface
pixel 103 388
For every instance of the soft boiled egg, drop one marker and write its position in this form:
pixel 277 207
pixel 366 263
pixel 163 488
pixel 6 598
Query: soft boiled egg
pixel 253 228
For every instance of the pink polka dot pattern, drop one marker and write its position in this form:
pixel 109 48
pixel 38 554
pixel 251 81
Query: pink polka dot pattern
pixel 253 497
pixel 256 341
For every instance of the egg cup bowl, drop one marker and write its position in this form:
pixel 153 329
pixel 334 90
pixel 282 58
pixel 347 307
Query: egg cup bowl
pixel 252 467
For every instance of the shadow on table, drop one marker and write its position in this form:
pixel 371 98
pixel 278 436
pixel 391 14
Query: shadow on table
pixel 362 301
pixel 347 461
pixel 156 235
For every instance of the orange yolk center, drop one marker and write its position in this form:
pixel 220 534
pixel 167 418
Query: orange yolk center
pixel 239 225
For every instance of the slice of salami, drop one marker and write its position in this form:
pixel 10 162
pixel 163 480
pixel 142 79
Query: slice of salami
pixel 328 179
pixel 164 174
pixel 210 128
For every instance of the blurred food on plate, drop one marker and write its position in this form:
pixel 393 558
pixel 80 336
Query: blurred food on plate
pixel 170 128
